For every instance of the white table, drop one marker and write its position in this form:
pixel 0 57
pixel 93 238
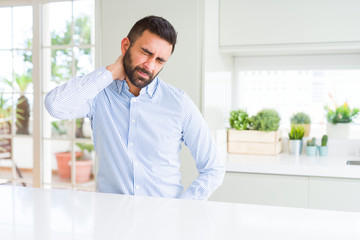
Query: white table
pixel 285 164
pixel 29 213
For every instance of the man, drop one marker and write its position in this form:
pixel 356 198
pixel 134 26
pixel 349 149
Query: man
pixel 139 121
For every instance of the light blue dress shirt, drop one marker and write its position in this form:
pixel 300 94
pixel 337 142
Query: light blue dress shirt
pixel 138 139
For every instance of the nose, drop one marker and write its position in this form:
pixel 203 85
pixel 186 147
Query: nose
pixel 150 64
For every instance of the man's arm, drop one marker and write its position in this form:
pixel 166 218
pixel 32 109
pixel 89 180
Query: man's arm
pixel 197 138
pixel 73 99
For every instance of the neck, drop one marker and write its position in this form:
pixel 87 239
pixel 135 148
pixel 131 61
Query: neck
pixel 132 88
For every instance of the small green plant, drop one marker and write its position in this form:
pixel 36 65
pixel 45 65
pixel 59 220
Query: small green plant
pixel 297 132
pixel 311 142
pixel 300 118
pixel 341 114
pixel 324 140
pixel 84 147
pixel 239 120
pixel 266 120
pixel 59 127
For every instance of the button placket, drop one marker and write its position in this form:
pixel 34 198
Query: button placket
pixel 131 142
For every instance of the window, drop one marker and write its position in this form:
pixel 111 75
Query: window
pixel 291 85
pixel 65 47
pixel 68 49
pixel 16 97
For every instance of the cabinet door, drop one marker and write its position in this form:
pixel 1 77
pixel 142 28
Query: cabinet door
pixel 334 193
pixel 288 24
pixel 264 189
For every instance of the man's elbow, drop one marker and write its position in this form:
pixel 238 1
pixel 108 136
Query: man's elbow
pixel 53 107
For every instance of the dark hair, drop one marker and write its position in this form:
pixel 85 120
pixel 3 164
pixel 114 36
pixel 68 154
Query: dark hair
pixel 157 25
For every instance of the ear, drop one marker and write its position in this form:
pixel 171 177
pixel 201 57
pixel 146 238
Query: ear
pixel 125 44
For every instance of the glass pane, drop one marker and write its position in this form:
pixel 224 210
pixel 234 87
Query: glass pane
pixel 84 22
pixel 5 28
pixel 24 104
pixel 5 142
pixel 23 159
pixel 56 156
pixel 84 163
pixel 5 71
pixel 83 128
pixel 5 154
pixel 59 71
pixel 23 72
pixel 56 128
pixel 57 23
pixel 22 29
pixel 6 113
pixel 84 60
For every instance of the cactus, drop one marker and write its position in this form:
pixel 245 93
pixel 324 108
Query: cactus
pixel 324 140
pixel 311 142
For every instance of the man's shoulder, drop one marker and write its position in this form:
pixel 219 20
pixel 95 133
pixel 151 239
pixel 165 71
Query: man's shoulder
pixel 168 90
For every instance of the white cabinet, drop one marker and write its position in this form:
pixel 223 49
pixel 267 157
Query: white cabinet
pixel 264 189
pixel 278 26
pixel 334 193
pixel 290 191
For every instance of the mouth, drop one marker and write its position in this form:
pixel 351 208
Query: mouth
pixel 145 75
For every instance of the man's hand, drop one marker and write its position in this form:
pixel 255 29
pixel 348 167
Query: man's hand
pixel 117 69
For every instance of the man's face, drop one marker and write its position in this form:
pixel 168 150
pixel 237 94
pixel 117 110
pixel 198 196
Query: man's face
pixel 145 58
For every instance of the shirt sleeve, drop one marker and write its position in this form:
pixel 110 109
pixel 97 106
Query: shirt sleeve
pixel 198 139
pixel 74 98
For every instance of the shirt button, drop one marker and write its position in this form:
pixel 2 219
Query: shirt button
pixel 136 163
pixel 132 120
pixel 130 144
pixel 133 99
pixel 137 187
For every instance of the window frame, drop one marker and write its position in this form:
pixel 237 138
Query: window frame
pixel 37 49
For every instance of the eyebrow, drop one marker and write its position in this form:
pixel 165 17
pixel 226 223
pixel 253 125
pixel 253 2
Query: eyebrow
pixel 150 53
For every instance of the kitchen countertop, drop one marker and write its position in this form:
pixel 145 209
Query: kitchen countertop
pixel 32 213
pixel 301 165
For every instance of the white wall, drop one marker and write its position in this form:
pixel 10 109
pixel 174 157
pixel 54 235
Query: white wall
pixel 217 71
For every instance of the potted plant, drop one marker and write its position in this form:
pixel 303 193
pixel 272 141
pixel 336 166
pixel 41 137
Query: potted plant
pixel 22 105
pixel 254 135
pixel 339 120
pixel 323 149
pixel 83 163
pixel 303 119
pixel 311 147
pixel 63 160
pixel 295 139
pixel 239 120
pixel 266 120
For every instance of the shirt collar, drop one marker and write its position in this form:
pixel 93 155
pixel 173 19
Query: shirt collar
pixel 149 89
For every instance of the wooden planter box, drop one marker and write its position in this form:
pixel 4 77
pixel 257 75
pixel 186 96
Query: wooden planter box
pixel 254 142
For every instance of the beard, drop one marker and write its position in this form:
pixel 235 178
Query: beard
pixel 132 72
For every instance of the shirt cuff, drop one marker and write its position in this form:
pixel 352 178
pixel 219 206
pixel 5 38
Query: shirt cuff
pixel 101 77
